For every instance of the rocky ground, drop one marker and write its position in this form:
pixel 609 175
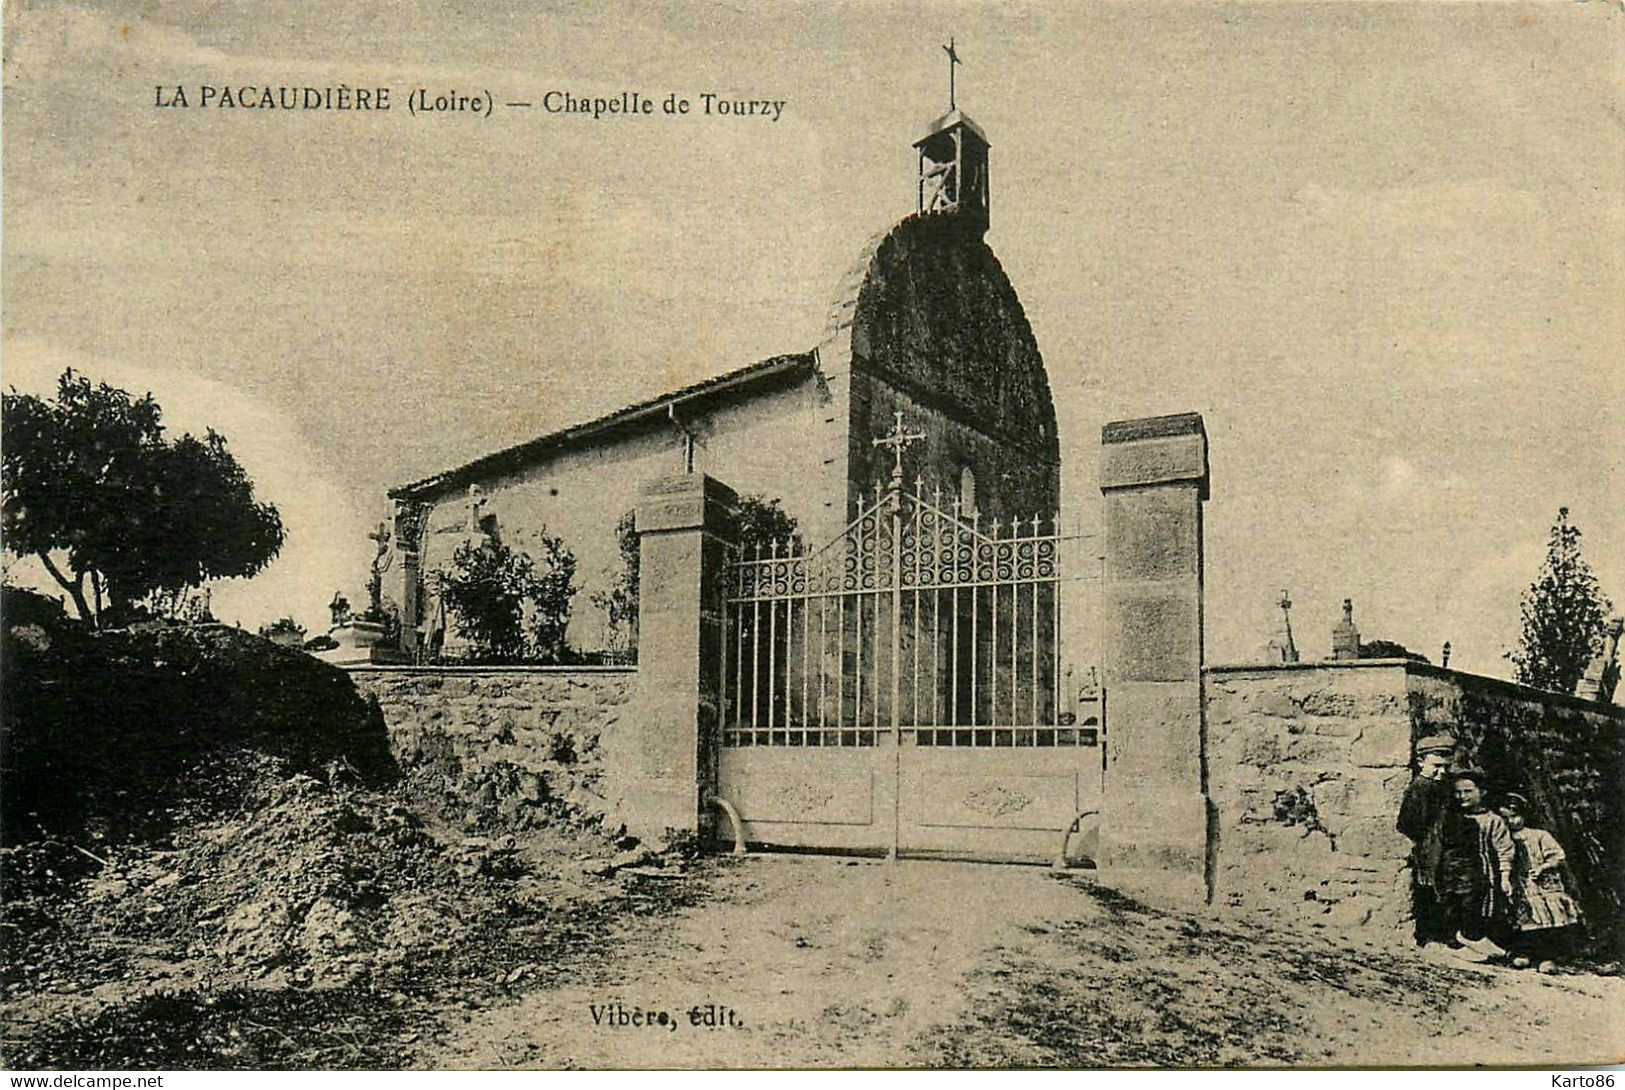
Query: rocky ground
pixel 327 926
pixel 320 925
pixel 825 962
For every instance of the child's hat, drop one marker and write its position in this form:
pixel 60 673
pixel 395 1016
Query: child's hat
pixel 1517 802
pixel 1436 743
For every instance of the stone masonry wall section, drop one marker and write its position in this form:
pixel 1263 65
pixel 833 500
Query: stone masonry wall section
pixel 1306 768
pixel 508 747
pixel 1308 762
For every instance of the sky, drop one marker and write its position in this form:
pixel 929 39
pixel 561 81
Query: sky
pixel 1381 249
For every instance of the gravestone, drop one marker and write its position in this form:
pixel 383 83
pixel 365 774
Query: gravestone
pixel 1345 637
pixel 1281 648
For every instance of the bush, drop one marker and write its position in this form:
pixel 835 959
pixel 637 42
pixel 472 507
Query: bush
pixel 509 607
pixel 113 735
pixel 620 601
pixel 1389 649
pixel 286 631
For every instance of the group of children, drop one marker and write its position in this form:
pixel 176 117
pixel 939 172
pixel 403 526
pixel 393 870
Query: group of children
pixel 1488 885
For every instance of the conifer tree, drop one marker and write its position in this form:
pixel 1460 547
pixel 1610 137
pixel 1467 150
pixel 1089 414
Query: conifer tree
pixel 1564 612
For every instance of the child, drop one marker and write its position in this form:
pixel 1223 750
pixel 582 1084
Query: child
pixel 1543 912
pixel 1475 873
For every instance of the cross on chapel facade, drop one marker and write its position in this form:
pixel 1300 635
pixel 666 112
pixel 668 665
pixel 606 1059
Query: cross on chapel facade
pixel 897 440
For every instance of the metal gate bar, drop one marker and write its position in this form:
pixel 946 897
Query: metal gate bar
pixel 870 587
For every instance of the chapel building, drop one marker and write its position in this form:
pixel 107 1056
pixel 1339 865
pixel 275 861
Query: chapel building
pixel 926 323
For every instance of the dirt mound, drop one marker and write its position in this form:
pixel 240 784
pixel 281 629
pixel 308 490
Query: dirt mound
pixel 211 861
pixel 307 888
pixel 113 735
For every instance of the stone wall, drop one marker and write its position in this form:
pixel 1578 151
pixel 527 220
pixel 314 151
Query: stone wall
pixel 510 746
pixel 938 333
pixel 1308 762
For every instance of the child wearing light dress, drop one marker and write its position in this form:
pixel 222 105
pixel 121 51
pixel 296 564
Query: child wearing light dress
pixel 1544 915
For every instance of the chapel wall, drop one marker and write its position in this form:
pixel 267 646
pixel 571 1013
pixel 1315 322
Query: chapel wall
pixel 758 444
pixel 936 315
pixel 1010 482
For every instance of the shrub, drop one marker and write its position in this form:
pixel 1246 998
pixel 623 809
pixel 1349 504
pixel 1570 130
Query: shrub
pixel 620 601
pixel 507 606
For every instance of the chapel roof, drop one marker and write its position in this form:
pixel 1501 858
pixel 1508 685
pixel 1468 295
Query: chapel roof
pixel 948 120
pixel 522 454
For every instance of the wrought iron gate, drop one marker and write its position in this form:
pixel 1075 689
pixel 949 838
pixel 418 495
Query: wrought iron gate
pixel 931 643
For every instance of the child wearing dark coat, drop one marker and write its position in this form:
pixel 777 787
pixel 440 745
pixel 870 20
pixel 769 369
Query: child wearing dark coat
pixel 1475 872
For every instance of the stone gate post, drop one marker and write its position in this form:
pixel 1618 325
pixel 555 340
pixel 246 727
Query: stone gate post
pixel 661 760
pixel 1154 821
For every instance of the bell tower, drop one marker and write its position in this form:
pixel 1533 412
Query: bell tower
pixel 953 162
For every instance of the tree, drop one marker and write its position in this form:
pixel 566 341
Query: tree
pixel 95 491
pixel 620 601
pixel 505 606
pixel 757 522
pixel 1564 613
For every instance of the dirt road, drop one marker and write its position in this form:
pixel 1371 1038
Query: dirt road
pixel 819 962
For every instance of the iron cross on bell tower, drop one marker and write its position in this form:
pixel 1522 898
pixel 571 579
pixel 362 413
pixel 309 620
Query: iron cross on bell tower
pixel 953 162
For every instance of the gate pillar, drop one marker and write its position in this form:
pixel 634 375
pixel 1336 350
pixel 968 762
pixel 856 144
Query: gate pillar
pixel 1154 821
pixel 661 756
